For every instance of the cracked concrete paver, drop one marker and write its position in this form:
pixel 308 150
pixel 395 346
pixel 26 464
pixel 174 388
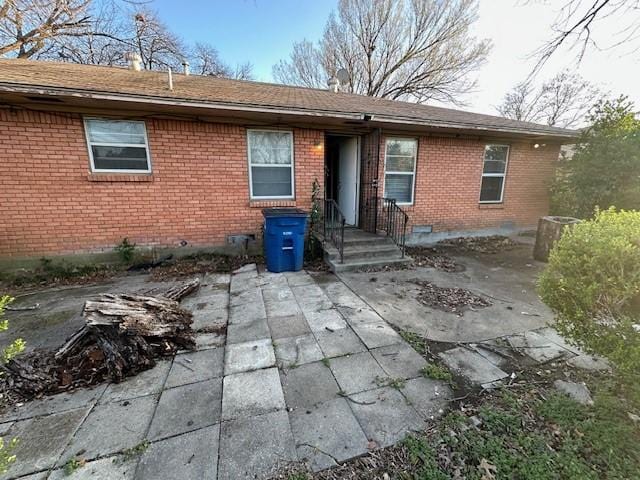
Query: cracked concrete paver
pixel 255 447
pixel 111 428
pixel 110 468
pixel 41 440
pixel 399 360
pixel 385 415
pixel 358 372
pixel 471 365
pixel 429 397
pixel 327 434
pixel 538 347
pixel 192 455
pixel 295 351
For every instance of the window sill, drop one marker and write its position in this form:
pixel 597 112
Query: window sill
pixel 271 203
pixel 491 206
pixel 120 177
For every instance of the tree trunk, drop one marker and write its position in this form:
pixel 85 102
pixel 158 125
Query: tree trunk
pixel 549 232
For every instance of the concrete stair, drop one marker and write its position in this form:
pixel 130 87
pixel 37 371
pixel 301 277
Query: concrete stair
pixel 363 250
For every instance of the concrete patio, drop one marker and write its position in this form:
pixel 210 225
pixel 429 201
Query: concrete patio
pixel 307 371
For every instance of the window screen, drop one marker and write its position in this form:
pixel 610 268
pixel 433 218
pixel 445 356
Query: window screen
pixel 271 163
pixel 117 146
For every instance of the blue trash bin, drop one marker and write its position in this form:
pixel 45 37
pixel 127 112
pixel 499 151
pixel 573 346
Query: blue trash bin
pixel 284 238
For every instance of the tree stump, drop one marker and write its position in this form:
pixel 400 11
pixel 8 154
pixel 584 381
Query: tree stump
pixel 549 232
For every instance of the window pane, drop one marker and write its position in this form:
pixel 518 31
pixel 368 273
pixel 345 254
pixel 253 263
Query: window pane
pixel 494 166
pixel 269 148
pixel 397 146
pixel 116 131
pixel 120 158
pixel 400 164
pixel 271 181
pixel 491 190
pixel 398 187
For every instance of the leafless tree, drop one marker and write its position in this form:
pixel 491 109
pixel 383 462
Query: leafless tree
pixel 205 60
pixel 562 101
pixel 414 50
pixel 28 26
pixel 578 24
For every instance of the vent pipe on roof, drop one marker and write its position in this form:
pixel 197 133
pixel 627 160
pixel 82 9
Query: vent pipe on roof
pixel 185 66
pixel 135 61
pixel 170 80
pixel 334 84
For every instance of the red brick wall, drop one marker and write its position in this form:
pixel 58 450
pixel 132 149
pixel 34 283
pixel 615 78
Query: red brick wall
pixel 199 188
pixel 448 177
pixel 198 192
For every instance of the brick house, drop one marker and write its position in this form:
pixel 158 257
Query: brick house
pixel 93 154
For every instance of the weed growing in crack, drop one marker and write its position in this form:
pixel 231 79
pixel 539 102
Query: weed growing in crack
pixel 436 372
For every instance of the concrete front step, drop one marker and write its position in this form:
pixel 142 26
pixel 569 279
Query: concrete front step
pixel 363 252
pixel 351 265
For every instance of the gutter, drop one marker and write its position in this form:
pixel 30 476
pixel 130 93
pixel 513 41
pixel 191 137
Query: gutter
pixel 239 107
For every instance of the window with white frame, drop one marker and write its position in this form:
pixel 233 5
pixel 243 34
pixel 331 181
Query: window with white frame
pixel 270 164
pixel 117 145
pixel 494 170
pixel 400 169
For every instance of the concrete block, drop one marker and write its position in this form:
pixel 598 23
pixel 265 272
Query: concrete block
pixel 308 385
pixel 283 309
pixel 248 331
pixel 248 312
pixel 110 468
pixel 251 393
pixel 254 355
pixel 111 428
pixel 358 372
pixel 399 360
pixel 375 335
pixel 191 455
pixel 339 342
pixel 148 382
pixel 385 415
pixel 251 295
pixel 296 351
pixel 186 408
pixel 322 320
pixel 471 365
pixel 427 396
pixel 326 433
pixel 289 326
pixel 255 447
pixel 538 347
pixel 195 367
pixel 42 440
pixel 296 279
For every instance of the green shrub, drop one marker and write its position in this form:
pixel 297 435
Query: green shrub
pixel 125 250
pixel 592 283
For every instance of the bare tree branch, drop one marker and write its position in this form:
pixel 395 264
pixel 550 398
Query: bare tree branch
pixel 416 50
pixel 563 101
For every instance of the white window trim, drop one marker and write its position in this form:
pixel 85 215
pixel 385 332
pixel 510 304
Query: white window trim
pixel 292 167
pixel 102 144
pixel 503 175
pixel 415 164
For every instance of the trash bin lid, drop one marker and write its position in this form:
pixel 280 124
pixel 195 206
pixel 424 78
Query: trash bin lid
pixel 284 212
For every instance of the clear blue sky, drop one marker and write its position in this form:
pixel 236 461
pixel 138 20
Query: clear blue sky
pixel 259 31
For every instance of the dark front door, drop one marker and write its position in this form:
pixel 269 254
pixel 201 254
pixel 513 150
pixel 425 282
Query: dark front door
pixel 369 165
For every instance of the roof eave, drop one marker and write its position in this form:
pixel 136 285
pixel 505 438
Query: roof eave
pixel 270 109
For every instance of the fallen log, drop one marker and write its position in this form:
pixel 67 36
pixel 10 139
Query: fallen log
pixel 123 335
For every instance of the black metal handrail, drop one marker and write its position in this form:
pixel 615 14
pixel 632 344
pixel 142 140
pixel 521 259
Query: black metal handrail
pixel 393 220
pixel 333 222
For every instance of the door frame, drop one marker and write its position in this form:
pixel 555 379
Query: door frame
pixel 356 160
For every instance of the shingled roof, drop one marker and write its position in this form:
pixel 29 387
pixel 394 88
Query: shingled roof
pixel 56 78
